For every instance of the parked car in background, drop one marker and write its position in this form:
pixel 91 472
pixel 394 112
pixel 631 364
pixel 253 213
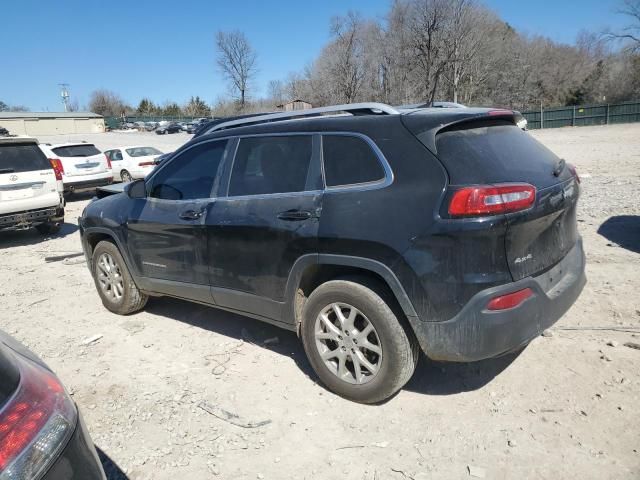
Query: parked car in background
pixel 172 127
pixel 30 188
pixel 373 234
pixel 42 433
pixel 150 126
pixel 82 165
pixel 192 127
pixel 129 163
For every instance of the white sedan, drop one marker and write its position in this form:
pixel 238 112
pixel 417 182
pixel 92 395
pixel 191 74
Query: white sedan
pixel 130 163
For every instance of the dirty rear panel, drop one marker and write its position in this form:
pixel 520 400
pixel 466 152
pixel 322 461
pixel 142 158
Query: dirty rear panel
pixel 486 151
pixel 540 237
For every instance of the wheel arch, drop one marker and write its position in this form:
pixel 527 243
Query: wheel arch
pixel 312 270
pixel 93 236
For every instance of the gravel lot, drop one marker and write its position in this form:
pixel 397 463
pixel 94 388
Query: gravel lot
pixel 566 407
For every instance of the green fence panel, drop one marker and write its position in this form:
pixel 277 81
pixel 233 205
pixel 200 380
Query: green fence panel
pixel 583 115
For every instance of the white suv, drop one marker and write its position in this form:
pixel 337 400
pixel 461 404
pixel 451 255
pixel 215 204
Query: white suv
pixel 82 165
pixel 30 188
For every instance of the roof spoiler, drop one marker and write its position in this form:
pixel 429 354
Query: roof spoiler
pixel 426 128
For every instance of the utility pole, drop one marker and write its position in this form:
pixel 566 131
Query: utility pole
pixel 64 93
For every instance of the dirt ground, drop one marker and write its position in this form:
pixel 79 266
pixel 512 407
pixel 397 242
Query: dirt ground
pixel 564 408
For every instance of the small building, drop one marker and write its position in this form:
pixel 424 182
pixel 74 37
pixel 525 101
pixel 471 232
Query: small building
pixel 294 105
pixel 51 123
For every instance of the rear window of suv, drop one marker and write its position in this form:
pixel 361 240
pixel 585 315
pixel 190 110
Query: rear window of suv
pixel 76 150
pixel 349 161
pixel 16 158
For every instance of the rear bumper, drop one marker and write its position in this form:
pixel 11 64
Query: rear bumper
pixel 28 218
pixel 73 185
pixel 476 333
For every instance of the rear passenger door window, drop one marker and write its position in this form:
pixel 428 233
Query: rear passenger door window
pixel 349 160
pixel 267 165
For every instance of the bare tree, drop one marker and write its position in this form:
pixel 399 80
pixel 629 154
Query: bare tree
pixel 237 61
pixel 276 92
pixel 107 103
pixel 631 33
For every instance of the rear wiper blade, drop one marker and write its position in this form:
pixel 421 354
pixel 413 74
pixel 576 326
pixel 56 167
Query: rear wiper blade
pixel 7 170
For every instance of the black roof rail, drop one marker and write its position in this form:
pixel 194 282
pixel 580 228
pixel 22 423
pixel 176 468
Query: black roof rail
pixel 370 108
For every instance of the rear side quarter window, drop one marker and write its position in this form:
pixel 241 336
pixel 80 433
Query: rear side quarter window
pixel 349 160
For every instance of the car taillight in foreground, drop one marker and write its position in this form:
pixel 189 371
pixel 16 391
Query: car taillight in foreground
pixel 58 168
pixel 145 164
pixel 491 199
pixel 511 300
pixel 108 160
pixel 35 424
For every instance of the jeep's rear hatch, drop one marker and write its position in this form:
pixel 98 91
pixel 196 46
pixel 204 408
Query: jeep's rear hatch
pixel 489 149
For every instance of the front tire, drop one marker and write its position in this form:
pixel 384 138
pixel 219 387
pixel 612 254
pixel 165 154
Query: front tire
pixel 118 292
pixel 355 342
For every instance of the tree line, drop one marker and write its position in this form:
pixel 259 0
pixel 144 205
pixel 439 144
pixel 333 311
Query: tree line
pixel 461 51
pixel 110 104
pixel 452 50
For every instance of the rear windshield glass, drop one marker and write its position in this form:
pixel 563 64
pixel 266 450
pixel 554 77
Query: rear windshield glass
pixel 143 151
pixel 500 152
pixel 76 151
pixel 16 158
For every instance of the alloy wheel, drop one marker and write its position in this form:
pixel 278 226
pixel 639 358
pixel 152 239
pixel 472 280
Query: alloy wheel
pixel 348 343
pixel 110 277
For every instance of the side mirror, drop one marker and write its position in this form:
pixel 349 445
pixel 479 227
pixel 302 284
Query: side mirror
pixel 136 189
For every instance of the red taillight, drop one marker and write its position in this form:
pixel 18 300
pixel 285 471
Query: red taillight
pixel 511 300
pixel 574 172
pixel 35 423
pixel 492 199
pixel 58 169
pixel 108 160
pixel 500 112
pixel 145 164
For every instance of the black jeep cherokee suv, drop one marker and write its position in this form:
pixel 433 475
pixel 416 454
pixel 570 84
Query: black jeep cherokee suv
pixel 372 234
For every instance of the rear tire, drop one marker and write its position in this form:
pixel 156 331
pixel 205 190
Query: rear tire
pixel 386 356
pixel 49 228
pixel 125 176
pixel 118 292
